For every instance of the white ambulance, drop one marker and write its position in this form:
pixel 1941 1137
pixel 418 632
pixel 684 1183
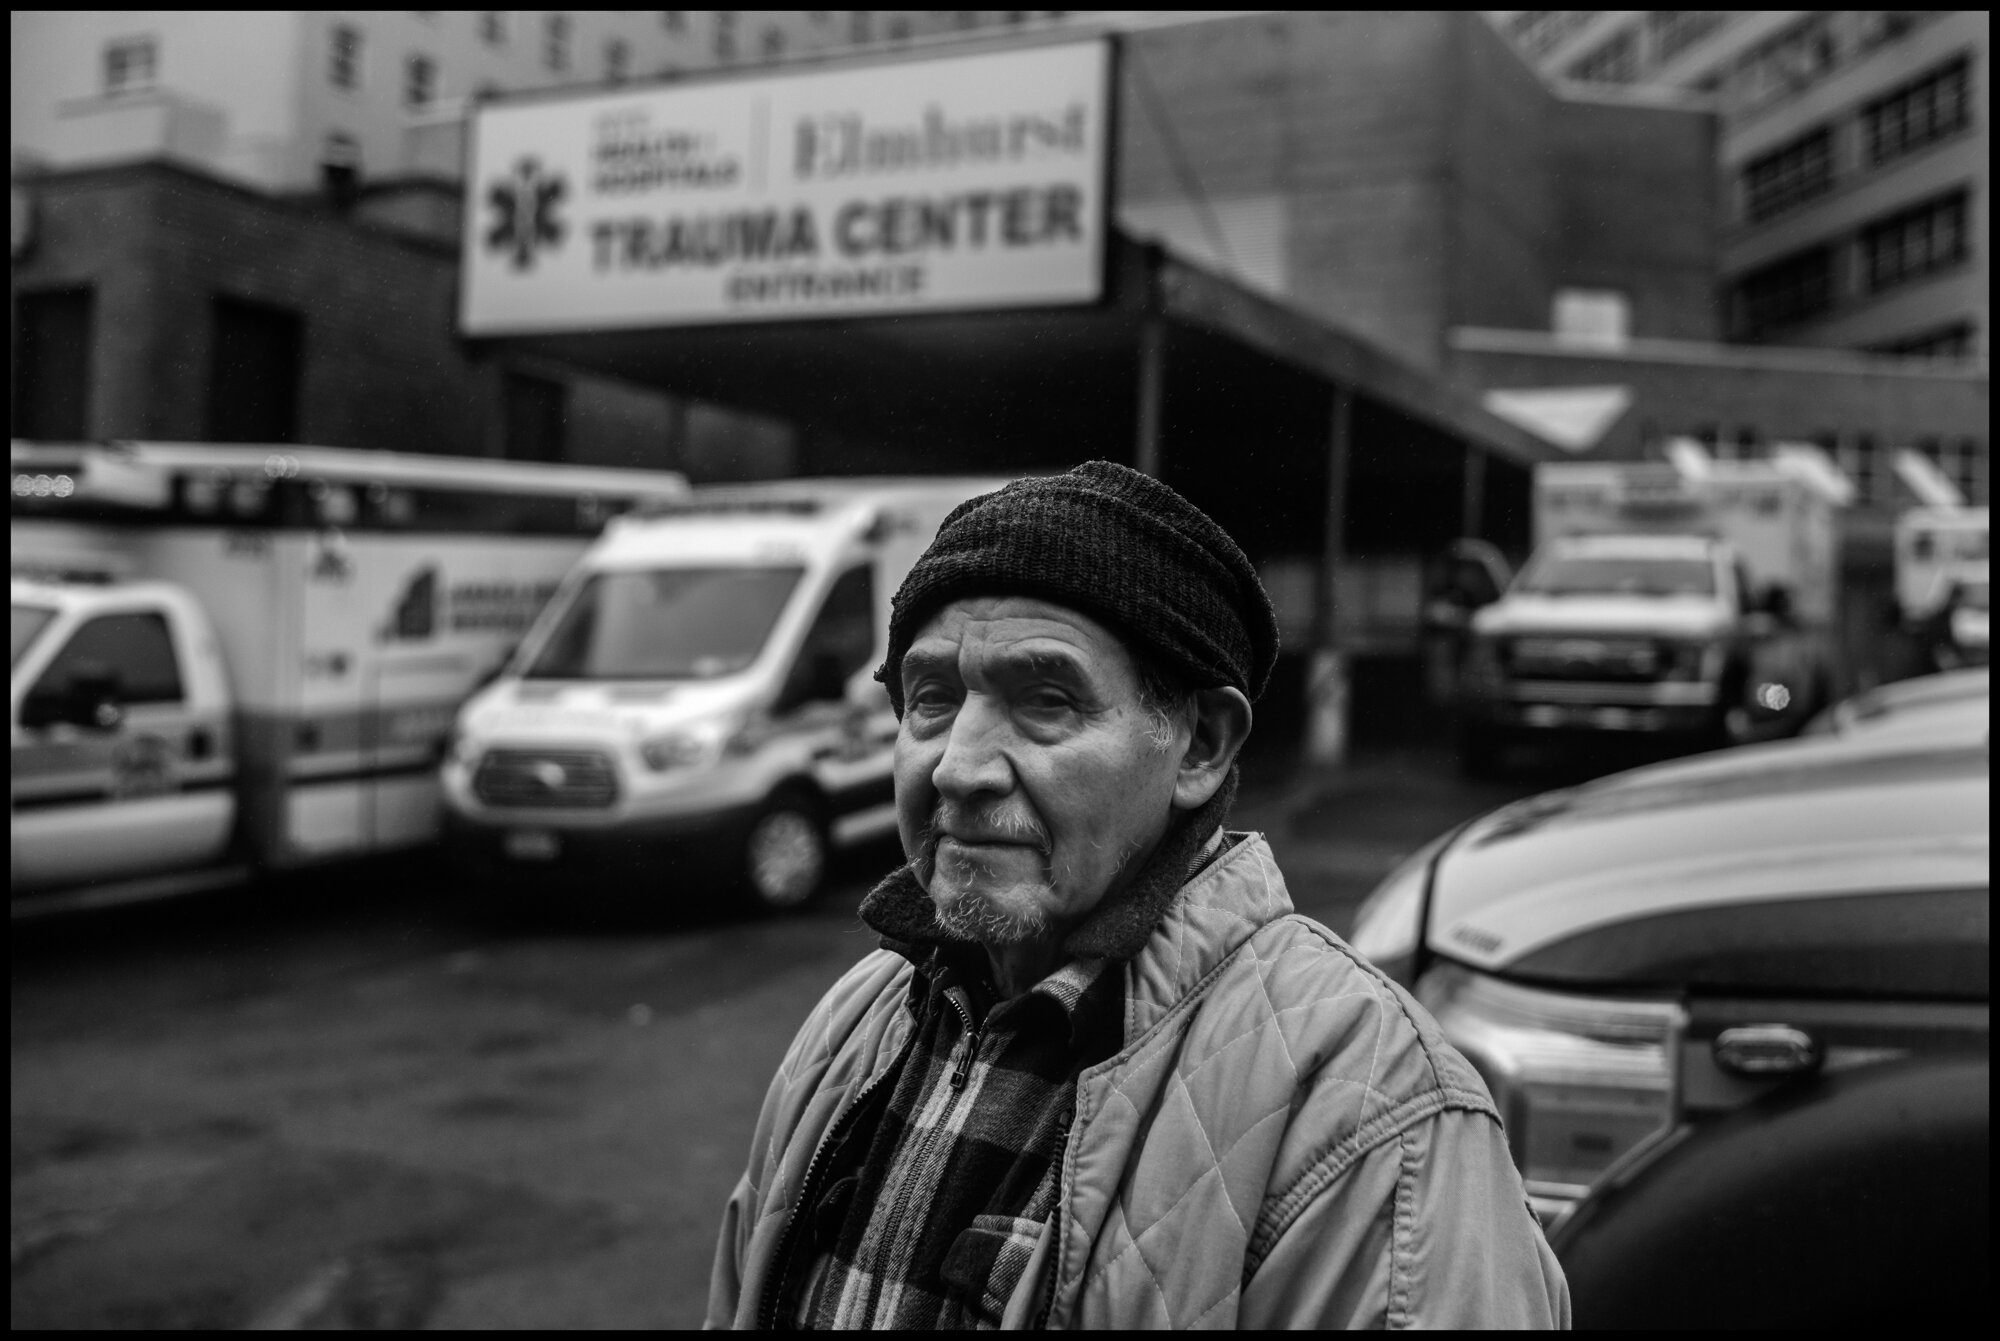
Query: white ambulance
pixel 696 710
pixel 1944 571
pixel 1660 601
pixel 232 659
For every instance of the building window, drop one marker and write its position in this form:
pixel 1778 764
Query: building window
pixel 1915 243
pixel 1918 114
pixel 344 57
pixel 1862 463
pixel 555 43
pixel 1786 64
pixel 1962 459
pixel 1789 175
pixel 1955 341
pixel 1540 31
pixel 53 337
pixel 1597 317
pixel 1675 30
pixel 617 60
pixel 130 65
pixel 254 362
pixel 493 27
pixel 1616 62
pixel 419 82
pixel 1784 293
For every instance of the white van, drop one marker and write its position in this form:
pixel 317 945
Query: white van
pixel 698 700
pixel 229 661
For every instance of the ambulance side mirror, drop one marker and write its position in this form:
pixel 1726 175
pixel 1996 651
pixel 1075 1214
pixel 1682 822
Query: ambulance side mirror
pixel 93 700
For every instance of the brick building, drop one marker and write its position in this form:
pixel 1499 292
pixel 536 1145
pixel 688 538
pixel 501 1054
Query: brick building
pixel 1312 153
pixel 1493 236
pixel 1852 160
pixel 153 301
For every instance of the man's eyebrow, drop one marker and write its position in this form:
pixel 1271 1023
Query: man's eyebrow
pixel 1049 662
pixel 918 661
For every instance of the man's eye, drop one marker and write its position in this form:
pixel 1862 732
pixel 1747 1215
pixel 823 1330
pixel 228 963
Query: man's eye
pixel 1047 701
pixel 931 699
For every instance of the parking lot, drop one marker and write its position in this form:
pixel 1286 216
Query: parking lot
pixel 363 1099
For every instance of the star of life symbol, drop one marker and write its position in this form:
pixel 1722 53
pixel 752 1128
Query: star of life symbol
pixel 524 212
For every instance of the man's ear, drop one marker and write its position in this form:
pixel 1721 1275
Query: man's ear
pixel 1221 725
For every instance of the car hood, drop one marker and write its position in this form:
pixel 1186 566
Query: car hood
pixel 1739 870
pixel 1669 616
pixel 583 713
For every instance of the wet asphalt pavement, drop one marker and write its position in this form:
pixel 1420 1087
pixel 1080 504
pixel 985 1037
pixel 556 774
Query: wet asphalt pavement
pixel 367 1099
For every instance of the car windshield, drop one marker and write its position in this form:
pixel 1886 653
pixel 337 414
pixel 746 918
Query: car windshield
pixel 26 626
pixel 1618 575
pixel 665 624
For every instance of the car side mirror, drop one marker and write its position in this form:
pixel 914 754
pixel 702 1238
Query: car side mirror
pixel 92 700
pixel 96 701
pixel 1776 601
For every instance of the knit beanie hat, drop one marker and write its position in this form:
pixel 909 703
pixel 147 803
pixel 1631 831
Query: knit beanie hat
pixel 1117 545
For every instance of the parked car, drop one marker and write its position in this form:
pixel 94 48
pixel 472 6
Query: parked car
pixel 1735 1012
pixel 1950 704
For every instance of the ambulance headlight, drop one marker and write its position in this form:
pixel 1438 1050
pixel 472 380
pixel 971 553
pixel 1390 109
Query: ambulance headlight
pixel 1695 660
pixel 679 749
pixel 701 745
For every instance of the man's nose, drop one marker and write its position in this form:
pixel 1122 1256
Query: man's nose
pixel 974 760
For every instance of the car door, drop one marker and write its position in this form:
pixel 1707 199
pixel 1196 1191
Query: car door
pixel 117 773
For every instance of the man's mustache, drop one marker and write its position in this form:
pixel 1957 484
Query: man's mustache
pixel 984 824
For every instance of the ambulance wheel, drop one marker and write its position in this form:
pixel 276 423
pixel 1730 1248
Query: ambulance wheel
pixel 785 853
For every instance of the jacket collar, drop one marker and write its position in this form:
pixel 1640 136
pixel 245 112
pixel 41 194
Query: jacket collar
pixel 1219 909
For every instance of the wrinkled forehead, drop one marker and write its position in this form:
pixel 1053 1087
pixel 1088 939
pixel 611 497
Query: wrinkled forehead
pixel 1018 628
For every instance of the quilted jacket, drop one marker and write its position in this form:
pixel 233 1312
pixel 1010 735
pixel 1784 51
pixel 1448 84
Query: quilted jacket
pixel 1285 1140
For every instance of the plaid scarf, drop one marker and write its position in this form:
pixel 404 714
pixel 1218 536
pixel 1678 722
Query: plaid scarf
pixel 927 1220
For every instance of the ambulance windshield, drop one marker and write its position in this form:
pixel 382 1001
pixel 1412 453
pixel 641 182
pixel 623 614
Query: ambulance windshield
pixel 27 625
pixel 1618 575
pixel 665 624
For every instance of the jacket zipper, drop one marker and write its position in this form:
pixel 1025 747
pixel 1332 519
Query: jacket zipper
pixel 968 1047
pixel 1041 1321
pixel 767 1313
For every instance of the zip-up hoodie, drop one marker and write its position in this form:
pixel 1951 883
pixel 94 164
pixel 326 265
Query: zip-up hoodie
pixel 1284 1140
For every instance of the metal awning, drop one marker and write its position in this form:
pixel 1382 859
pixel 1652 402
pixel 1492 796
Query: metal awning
pixel 1023 385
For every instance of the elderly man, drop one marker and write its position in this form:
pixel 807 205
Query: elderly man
pixel 1100 1074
